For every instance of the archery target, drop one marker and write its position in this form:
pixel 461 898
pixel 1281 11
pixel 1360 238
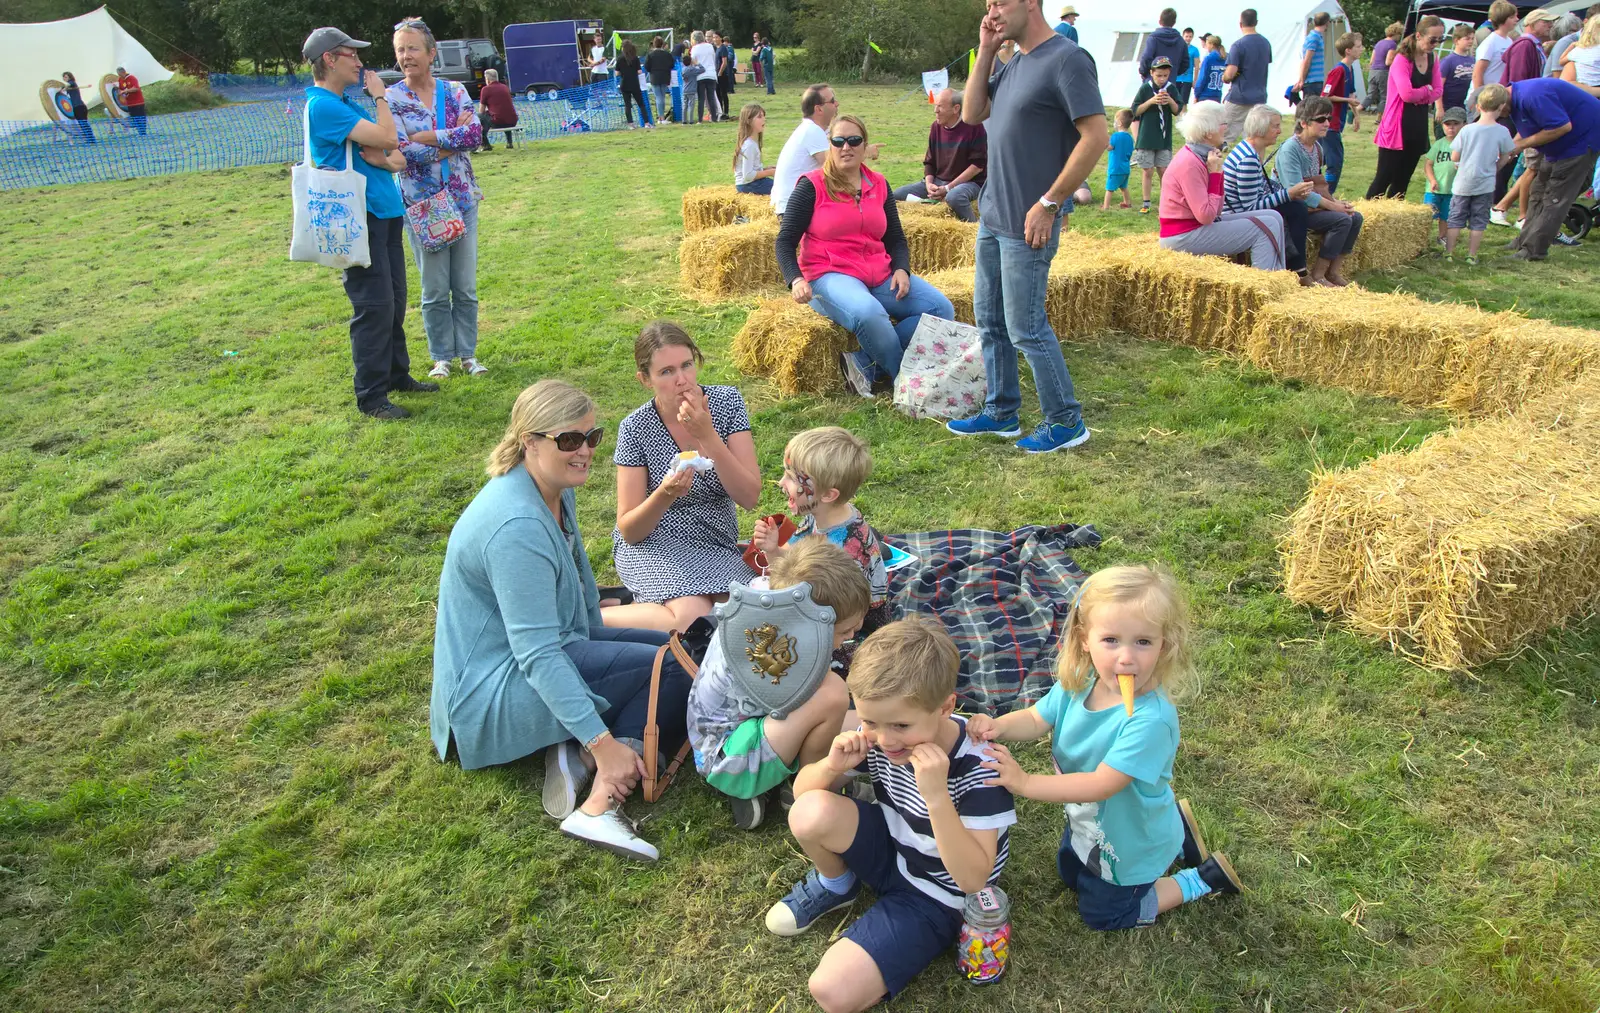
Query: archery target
pixel 111 98
pixel 53 96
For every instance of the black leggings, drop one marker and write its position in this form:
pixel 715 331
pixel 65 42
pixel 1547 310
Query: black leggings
pixel 629 100
pixel 1394 173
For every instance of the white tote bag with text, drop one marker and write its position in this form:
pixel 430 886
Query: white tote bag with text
pixel 330 211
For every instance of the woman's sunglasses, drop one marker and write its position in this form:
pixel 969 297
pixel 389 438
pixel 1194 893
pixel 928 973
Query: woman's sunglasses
pixel 569 441
pixel 1321 119
pixel 854 140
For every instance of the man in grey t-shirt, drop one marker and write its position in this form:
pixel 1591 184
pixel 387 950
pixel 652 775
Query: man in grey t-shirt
pixel 1047 130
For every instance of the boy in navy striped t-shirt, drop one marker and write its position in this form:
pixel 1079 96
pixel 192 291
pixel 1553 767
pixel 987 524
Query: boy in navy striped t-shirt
pixel 937 832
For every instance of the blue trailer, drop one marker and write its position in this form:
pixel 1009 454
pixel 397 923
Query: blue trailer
pixel 544 56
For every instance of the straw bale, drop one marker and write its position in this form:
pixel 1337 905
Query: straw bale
pixel 1375 343
pixel 1460 551
pixel 1207 302
pixel 730 260
pixel 1518 358
pixel 956 284
pixel 795 345
pixel 708 207
pixel 928 209
pixel 1393 233
pixel 937 244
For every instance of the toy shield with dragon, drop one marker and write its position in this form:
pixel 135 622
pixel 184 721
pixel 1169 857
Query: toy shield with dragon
pixel 778 645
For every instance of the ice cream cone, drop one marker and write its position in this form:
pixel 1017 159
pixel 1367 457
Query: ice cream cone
pixel 1125 683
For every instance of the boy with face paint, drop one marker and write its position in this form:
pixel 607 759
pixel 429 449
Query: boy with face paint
pixel 822 470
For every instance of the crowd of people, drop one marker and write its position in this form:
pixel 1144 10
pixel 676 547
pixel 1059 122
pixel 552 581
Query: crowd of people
pixel 884 784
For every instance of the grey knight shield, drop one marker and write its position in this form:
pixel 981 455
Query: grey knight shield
pixel 778 645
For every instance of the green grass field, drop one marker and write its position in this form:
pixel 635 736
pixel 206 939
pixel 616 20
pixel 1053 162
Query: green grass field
pixel 218 601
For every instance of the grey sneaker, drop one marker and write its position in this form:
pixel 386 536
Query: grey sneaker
pixel 855 376
pixel 748 812
pixel 805 903
pixel 565 777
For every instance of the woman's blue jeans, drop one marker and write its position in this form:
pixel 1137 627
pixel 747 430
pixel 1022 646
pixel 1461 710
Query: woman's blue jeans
pixel 1008 301
pixel 762 186
pixel 882 323
pixel 450 293
pixel 616 665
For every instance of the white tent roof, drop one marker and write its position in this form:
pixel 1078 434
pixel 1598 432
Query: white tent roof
pixel 89 46
pixel 1114 35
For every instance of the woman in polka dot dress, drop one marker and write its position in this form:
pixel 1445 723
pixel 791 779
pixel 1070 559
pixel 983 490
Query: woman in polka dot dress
pixel 675 546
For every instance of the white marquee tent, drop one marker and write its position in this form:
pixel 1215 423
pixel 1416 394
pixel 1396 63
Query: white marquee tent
pixel 1114 34
pixel 89 46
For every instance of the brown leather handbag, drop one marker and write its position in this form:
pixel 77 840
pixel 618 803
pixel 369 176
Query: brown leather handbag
pixel 655 780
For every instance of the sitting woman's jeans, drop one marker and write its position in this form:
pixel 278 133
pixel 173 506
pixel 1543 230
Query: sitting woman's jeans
pixel 762 186
pixel 617 664
pixel 882 323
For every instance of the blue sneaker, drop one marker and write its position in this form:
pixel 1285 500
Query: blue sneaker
pixel 1047 436
pixel 983 422
pixel 808 901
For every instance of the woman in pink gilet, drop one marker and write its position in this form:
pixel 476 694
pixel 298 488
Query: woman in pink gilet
pixel 843 252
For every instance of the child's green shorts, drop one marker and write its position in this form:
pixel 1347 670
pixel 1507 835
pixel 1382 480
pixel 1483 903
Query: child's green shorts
pixel 748 766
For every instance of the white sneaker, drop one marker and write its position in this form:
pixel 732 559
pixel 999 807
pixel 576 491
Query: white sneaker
pixel 611 831
pixel 473 367
pixel 1520 222
pixel 1498 217
pixel 565 777
pixel 854 377
pixel 440 370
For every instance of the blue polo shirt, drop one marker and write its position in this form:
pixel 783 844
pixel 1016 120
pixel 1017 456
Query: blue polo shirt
pixel 332 119
pixel 1541 103
pixel 1316 47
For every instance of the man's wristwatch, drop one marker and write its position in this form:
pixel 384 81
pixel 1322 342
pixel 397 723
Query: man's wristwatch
pixel 1050 205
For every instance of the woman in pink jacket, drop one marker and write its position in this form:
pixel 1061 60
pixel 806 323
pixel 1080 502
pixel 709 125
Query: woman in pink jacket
pixel 1191 199
pixel 842 251
pixel 1414 86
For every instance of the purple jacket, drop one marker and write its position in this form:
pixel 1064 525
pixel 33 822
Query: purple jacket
pixel 1401 92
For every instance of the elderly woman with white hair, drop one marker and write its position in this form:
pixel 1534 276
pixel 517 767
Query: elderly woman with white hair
pixel 1192 220
pixel 1247 187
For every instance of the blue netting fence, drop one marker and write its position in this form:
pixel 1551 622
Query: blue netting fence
pixel 263 128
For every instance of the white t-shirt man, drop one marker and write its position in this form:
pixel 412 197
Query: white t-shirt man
pixel 597 62
pixel 705 54
pixel 1493 48
pixel 799 156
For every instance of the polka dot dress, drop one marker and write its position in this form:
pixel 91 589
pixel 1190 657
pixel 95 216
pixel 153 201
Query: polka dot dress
pixel 694 549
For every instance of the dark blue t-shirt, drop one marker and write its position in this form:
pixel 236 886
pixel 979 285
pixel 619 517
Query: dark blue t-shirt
pixel 1209 84
pixel 1455 71
pixel 1542 103
pixel 332 119
pixel 1251 54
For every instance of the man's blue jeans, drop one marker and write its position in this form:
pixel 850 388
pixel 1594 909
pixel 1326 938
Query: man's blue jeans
pixel 883 324
pixel 1008 301
pixel 1333 157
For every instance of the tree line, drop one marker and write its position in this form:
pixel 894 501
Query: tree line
pixel 906 36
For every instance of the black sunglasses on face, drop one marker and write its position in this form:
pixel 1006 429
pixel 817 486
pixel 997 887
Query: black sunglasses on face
pixel 573 439
pixel 1321 119
pixel 854 140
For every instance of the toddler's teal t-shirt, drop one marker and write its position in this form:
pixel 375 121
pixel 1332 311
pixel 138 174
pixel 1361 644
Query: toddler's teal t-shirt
pixel 1132 837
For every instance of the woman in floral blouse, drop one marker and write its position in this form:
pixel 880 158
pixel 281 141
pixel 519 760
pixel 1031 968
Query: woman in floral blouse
pixel 436 150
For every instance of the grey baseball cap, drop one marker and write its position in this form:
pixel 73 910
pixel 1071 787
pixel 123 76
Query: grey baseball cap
pixel 1455 114
pixel 325 40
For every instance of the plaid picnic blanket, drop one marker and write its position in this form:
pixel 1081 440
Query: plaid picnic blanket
pixel 1003 597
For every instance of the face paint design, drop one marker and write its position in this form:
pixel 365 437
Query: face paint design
pixel 799 488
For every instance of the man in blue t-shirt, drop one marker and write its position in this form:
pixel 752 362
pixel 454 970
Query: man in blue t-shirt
pixel 1185 82
pixel 377 293
pixel 1561 122
pixel 1248 60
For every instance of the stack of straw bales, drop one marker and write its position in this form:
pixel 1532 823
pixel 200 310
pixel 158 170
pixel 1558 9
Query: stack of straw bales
pixel 795 345
pixel 928 209
pixel 1206 302
pixel 708 207
pixel 731 260
pixel 1393 234
pixel 1476 364
pixel 1461 550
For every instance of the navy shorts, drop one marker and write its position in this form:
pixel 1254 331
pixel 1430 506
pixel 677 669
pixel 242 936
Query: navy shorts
pixel 1103 906
pixel 906 930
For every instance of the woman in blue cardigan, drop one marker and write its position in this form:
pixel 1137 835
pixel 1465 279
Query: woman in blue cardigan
pixel 521 660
